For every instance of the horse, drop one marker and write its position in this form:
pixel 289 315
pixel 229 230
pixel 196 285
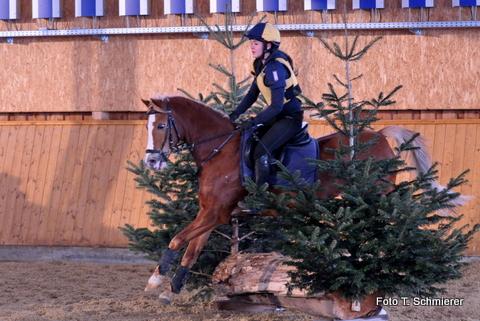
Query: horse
pixel 215 145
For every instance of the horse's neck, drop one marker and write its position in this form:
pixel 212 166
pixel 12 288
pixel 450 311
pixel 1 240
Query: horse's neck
pixel 201 124
pixel 204 130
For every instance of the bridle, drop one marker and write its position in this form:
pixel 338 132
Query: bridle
pixel 175 144
pixel 171 135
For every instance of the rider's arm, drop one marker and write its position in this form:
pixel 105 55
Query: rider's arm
pixel 275 79
pixel 247 101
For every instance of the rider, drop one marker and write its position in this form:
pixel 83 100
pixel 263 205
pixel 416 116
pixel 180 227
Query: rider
pixel 276 80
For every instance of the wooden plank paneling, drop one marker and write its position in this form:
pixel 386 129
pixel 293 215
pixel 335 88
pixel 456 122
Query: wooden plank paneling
pixel 18 221
pixel 71 212
pixel 71 152
pixel 61 179
pixel 103 184
pixel 95 187
pixel 33 184
pixel 115 165
pixel 121 188
pixel 45 229
pixel 14 171
pixel 130 200
pixel 36 198
pixel 83 202
pixel 6 179
pixel 65 182
pixel 473 217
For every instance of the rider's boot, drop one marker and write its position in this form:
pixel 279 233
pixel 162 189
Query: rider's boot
pixel 262 173
pixel 262 170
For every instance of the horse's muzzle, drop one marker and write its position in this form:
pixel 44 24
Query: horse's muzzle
pixel 154 161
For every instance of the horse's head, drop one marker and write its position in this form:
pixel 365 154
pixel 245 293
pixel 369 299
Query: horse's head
pixel 163 135
pixel 180 121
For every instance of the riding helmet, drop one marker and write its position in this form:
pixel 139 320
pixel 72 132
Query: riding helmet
pixel 265 32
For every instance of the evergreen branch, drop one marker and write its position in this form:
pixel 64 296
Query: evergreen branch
pixel 352 48
pixel 246 236
pixel 222 234
pixel 340 82
pixel 384 101
pixel 217 34
pixel 229 31
pixel 338 52
pixel 201 274
pixel 186 93
pixel 362 52
pixel 334 50
pixel 357 77
pixel 221 69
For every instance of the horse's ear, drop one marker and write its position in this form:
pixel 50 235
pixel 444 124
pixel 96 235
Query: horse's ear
pixel 146 102
pixel 160 104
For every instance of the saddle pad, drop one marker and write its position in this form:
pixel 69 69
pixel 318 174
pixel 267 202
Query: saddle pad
pixel 293 157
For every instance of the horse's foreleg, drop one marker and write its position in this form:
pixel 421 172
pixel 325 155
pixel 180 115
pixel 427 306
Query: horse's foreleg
pixel 194 249
pixel 202 224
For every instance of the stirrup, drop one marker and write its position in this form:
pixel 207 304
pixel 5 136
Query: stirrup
pixel 238 212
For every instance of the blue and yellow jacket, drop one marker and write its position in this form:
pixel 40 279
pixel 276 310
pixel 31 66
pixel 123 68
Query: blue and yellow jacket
pixel 278 84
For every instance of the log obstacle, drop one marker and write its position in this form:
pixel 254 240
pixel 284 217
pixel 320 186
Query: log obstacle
pixel 256 282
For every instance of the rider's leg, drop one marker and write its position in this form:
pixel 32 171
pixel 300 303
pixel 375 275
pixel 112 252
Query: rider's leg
pixel 278 135
pixel 262 169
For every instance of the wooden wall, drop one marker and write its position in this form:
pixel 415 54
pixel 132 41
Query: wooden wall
pixel 65 182
pixel 439 70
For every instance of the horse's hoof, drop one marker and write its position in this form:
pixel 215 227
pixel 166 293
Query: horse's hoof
pixel 165 297
pixel 157 281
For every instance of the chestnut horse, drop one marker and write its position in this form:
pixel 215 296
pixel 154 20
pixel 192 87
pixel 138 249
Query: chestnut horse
pixel 215 145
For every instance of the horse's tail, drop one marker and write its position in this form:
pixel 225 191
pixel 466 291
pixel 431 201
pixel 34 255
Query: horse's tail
pixel 421 157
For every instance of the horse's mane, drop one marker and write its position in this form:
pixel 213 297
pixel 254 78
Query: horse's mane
pixel 198 106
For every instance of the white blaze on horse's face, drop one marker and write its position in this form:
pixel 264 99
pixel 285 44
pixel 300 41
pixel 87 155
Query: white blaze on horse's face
pixel 151 122
pixel 156 137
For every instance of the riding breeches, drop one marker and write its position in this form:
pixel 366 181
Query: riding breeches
pixel 278 135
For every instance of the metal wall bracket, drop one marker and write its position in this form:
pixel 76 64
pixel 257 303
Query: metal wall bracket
pixel 241 28
pixel 417 31
pixel 310 34
pixel 202 35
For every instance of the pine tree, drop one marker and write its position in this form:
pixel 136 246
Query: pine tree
pixel 375 236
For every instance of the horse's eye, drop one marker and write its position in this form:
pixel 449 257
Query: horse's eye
pixel 160 126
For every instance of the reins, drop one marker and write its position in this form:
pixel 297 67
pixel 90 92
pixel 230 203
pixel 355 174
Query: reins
pixel 216 150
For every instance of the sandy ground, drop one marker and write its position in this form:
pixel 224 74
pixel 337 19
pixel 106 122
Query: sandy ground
pixel 64 291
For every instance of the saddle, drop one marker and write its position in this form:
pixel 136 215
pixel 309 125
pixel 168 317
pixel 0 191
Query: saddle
pixel 294 155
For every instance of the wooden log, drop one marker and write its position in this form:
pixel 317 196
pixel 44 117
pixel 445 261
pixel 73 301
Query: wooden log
pixel 256 281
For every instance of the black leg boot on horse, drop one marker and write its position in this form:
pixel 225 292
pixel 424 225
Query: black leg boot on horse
pixel 165 265
pixel 179 279
pixel 166 261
